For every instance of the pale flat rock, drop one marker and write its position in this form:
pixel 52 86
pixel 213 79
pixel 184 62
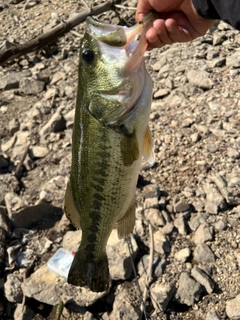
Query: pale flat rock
pixel 183 255
pixel 199 79
pixel 161 294
pixel 38 152
pixel 200 276
pixel 233 308
pixel 47 287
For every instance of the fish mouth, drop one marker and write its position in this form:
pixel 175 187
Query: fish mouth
pixel 129 41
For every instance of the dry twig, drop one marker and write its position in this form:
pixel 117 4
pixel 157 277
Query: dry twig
pixel 150 266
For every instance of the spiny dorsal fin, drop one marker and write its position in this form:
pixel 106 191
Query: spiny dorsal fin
pixel 148 147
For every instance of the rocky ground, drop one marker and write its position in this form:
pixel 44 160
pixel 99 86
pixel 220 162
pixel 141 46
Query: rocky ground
pixel 189 199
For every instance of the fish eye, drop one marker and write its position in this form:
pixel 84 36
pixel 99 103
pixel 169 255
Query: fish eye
pixel 88 55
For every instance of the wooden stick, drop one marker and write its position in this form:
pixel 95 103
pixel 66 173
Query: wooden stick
pixel 150 266
pixel 46 38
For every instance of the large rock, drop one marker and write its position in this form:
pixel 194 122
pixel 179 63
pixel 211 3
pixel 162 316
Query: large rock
pixel 11 80
pixel 47 287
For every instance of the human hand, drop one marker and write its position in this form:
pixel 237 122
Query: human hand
pixel 178 21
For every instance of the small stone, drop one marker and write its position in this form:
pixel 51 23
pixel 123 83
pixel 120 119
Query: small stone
pixel 201 277
pixel 200 79
pixel 12 288
pixel 233 60
pixel 189 291
pixel 233 308
pixel 183 255
pixel 30 86
pixel 168 228
pixel 203 234
pixel 50 93
pixel 211 147
pixel 203 253
pixel 161 93
pixel 161 295
pixel 161 243
pixel 151 203
pixel 69 118
pixel 151 191
pixel 186 123
pixel 220 225
pixel 180 224
pixel 36 152
pixel 57 77
pixel 181 206
pixel 218 38
pixel 195 137
pixel 154 217
pixel 233 153
pixel 211 207
pixel 214 196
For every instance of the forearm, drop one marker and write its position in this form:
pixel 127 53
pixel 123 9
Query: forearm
pixel 226 10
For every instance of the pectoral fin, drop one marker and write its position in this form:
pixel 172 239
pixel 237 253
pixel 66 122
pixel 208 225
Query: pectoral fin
pixel 126 224
pixel 70 208
pixel 129 148
pixel 148 147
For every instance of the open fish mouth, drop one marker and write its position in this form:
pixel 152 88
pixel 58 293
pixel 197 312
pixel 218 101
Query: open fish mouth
pixel 124 42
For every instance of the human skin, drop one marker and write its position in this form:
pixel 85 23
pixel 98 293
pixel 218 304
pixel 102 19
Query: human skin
pixel 178 21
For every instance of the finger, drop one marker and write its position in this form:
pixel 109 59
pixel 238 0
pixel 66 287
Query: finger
pixel 161 31
pixel 143 8
pixel 153 40
pixel 178 33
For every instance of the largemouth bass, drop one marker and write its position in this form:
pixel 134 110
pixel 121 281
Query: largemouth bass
pixel 110 136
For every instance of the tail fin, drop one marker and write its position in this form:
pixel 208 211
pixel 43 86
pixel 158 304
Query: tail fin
pixel 94 274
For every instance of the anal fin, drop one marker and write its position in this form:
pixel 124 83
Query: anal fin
pixel 148 147
pixel 126 224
